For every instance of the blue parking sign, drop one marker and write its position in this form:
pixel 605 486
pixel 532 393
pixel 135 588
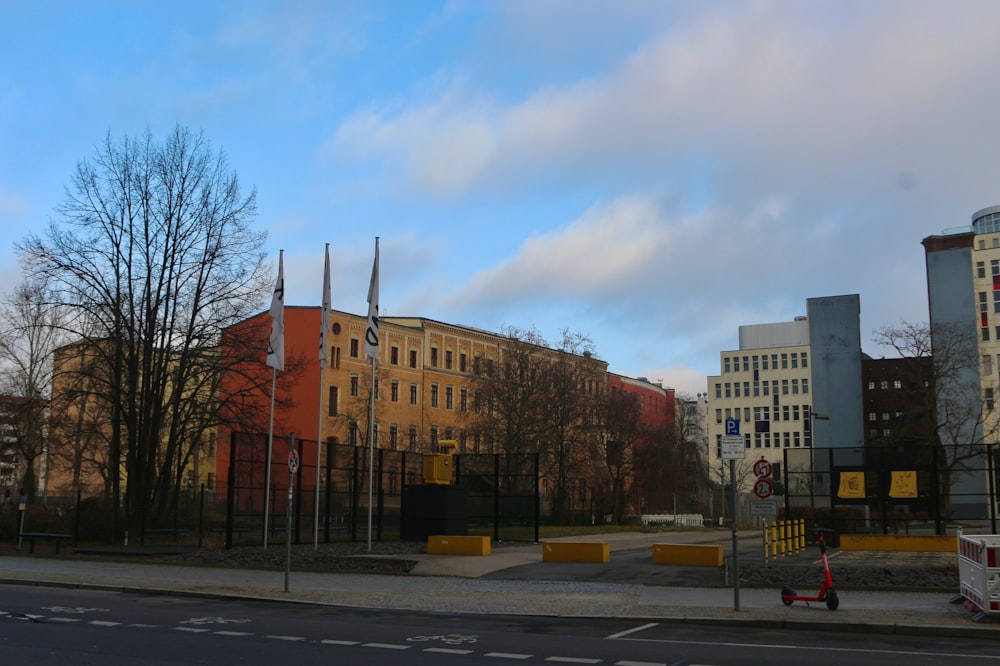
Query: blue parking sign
pixel 732 426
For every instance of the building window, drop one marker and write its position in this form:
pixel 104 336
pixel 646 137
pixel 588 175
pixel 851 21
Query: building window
pixel 885 416
pixel 986 334
pixel 354 386
pixel 805 386
pixel 413 438
pixel 725 364
pixel 756 363
pixel 764 362
pixel 795 387
pixel 795 412
pixel 354 347
pixel 805 359
pixel 994 266
pixel 434 395
pixel 767 388
pixel 434 357
pixel 746 364
pixel 736 389
pixel 718 390
pixel 718 416
pixel 331 405
pixel 756 389
pixel 795 360
pixel 784 361
pixel 729 390
pixel 393 436
pixel 872 416
pixel 463 399
pixel 449 397
pixel 746 389
pixel 394 391
pixel 884 384
pixel 784 387
pixel 980 270
pixel 989 399
pixel 447 359
pixel 982 302
pixel 462 362
pixel 413 394
pixel 394 355
pixel 413 358
pixel 987 364
pixel 352 433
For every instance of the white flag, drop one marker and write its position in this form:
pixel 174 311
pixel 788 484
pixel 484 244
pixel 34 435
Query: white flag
pixel 276 344
pixel 324 318
pixel 371 333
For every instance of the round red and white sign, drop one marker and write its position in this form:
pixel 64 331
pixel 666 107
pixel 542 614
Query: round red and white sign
pixel 762 468
pixel 763 488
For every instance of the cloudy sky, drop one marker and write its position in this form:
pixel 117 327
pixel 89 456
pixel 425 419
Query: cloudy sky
pixel 650 174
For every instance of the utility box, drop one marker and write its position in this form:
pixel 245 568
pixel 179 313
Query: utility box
pixel 437 466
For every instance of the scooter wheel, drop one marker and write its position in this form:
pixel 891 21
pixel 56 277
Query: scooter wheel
pixel 785 593
pixel 832 600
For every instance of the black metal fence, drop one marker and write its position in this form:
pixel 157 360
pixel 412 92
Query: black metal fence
pixel 358 489
pixel 891 490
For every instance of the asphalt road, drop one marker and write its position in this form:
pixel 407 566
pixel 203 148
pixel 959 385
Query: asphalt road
pixel 42 626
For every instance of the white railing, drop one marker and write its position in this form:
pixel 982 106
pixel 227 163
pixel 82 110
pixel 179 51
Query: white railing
pixel 979 571
pixel 678 519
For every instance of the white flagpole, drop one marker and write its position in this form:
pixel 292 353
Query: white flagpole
pixel 371 351
pixel 275 359
pixel 324 325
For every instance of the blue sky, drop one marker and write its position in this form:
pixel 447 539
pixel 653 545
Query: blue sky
pixel 650 174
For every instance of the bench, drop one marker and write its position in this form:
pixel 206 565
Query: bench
pixel 687 555
pixel 576 551
pixel 53 536
pixel 458 545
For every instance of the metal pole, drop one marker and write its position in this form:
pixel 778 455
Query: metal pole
pixel 736 541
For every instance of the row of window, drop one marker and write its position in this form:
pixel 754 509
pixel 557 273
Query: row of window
pixel 394 393
pixel 884 384
pixel 410 440
pixel 757 388
pixel 765 362
pixel 767 440
pixel 873 416
pixel 786 413
pixel 395 359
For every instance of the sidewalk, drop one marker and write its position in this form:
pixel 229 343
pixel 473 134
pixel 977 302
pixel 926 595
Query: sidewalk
pixel 496 584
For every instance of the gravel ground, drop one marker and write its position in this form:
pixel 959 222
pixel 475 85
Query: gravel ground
pixel 850 570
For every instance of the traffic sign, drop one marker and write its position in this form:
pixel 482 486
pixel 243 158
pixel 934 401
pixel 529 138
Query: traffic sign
pixel 732 426
pixel 764 507
pixel 762 469
pixel 293 461
pixel 763 488
pixel 733 447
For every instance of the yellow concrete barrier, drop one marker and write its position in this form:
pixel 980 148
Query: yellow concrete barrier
pixel 688 555
pixel 458 545
pixel 892 542
pixel 575 551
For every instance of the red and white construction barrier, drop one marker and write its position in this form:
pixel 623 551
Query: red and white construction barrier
pixel 979 571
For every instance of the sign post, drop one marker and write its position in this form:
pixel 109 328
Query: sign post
pixel 293 466
pixel 733 449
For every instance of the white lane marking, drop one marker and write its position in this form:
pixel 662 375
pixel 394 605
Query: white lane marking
pixel 64 609
pixel 639 663
pixel 573 660
pixel 330 641
pixel 387 646
pixel 278 637
pixel 633 630
pixel 447 651
pixel 233 633
pixel 64 620
pixel 507 655
pixel 104 623
pixel 191 630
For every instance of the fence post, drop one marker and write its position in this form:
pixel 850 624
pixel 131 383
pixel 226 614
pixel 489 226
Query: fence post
pixel 231 491
pixel 496 497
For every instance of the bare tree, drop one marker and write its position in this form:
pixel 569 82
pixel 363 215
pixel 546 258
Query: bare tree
pixel 152 255
pixel 963 413
pixel 623 432
pixel 30 329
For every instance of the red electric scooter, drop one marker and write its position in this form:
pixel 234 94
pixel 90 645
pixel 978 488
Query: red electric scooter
pixel 826 592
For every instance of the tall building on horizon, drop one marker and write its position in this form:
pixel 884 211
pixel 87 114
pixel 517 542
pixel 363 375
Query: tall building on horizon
pixel 792 384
